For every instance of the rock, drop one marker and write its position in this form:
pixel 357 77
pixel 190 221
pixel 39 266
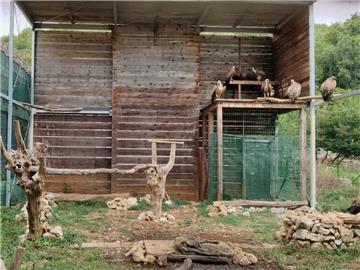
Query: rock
pixel 23 237
pixel 356 232
pixel 305 209
pixel 49 235
pixel 314 237
pixel 243 258
pixel 246 214
pixel 327 245
pixel 348 226
pixel 328 238
pixel 347 235
pixel 162 261
pixel 338 242
pixel 303 244
pixel 301 234
pixel 316 245
pixel 277 210
pixel 57 231
pixel 131 202
pixel 333 245
pixel 319 229
pixel 304 223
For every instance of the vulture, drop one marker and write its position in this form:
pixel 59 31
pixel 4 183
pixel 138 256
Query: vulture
pixel 355 206
pixel 260 74
pixel 234 73
pixel 218 91
pixel 294 90
pixel 267 88
pixel 327 88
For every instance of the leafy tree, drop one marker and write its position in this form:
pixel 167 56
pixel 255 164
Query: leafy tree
pixel 339 128
pixel 22 44
pixel 337 52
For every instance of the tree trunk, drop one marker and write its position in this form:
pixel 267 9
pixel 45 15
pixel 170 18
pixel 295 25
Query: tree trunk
pixel 20 161
pixel 156 180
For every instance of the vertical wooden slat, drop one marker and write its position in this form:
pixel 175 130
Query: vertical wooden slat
pixel 303 158
pixel 204 178
pixel 153 153
pixel 210 129
pixel 220 162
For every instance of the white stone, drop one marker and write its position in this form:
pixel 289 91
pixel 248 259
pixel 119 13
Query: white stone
pixel 57 231
pixel 49 235
pixel 301 234
pixel 338 242
pixel 347 235
pixel 131 202
pixel 304 223
pixel 319 229
pixel 246 214
pixel 357 232
pixel 315 237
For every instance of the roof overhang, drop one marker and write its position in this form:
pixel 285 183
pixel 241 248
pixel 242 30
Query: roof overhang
pixel 236 14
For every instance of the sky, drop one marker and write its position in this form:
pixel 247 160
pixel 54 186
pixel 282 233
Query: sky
pixel 325 11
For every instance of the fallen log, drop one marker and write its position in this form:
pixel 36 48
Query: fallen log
pixel 187 264
pixel 198 259
pixel 285 204
pixel 349 218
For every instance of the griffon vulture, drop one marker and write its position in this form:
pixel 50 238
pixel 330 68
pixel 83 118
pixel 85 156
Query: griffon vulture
pixel 260 74
pixel 294 90
pixel 327 88
pixel 355 206
pixel 218 91
pixel 267 89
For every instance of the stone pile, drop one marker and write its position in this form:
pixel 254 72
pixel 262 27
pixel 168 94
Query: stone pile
pixel 122 203
pixel 218 208
pixel 47 204
pixel 149 216
pixel 307 228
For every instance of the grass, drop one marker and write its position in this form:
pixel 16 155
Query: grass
pixel 341 171
pixel 337 199
pixel 315 259
pixel 143 206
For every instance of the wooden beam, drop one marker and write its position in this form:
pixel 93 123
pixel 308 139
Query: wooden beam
pixel 153 153
pixel 76 197
pixel 204 178
pixel 115 13
pixel 303 156
pixel 203 15
pixel 210 128
pixel 26 12
pixel 220 156
pixel 250 82
pixel 165 141
pixel 285 204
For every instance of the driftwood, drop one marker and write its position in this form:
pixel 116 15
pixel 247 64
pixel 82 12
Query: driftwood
pixel 19 161
pixel 349 218
pixel 187 264
pixel 18 257
pixel 198 259
pixel 279 100
pixel 52 109
pixel 286 204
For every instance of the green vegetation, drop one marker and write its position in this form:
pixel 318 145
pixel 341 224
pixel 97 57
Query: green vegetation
pixel 337 52
pixel 315 259
pixel 22 44
pixel 337 199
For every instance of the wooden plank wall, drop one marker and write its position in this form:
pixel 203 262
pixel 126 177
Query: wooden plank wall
pixel 155 95
pixel 291 51
pixel 75 142
pixel 73 69
pixel 219 53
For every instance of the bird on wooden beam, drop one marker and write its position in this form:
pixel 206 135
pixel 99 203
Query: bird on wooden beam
pixel 327 88
pixel 233 74
pixel 260 74
pixel 294 90
pixel 355 206
pixel 267 89
pixel 218 91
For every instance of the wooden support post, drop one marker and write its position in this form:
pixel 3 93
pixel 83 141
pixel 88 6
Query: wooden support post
pixel 220 162
pixel 153 153
pixel 239 91
pixel 204 178
pixel 210 128
pixel 303 156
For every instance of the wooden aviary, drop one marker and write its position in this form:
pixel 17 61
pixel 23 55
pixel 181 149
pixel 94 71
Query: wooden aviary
pixel 156 176
pixel 19 161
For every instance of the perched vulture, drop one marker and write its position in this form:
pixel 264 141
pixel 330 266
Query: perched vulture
pixel 294 90
pixel 219 90
pixel 260 74
pixel 355 206
pixel 233 74
pixel 267 88
pixel 327 88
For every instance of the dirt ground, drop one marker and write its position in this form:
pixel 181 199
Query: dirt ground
pixel 188 224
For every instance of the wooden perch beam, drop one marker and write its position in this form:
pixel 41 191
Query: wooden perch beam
pixel 164 141
pixel 93 171
pixel 52 109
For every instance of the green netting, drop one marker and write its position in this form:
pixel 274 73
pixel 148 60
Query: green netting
pixel 257 167
pixel 21 79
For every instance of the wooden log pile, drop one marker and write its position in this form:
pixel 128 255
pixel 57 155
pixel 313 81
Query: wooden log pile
pixel 187 251
pixel 307 228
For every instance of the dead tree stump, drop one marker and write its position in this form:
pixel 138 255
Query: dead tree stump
pixel 19 161
pixel 156 177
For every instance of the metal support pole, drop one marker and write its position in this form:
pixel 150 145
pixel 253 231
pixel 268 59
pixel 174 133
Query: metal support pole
pixel 10 102
pixel 312 110
pixel 31 119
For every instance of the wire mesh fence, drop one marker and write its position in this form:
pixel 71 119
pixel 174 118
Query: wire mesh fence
pixel 261 155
